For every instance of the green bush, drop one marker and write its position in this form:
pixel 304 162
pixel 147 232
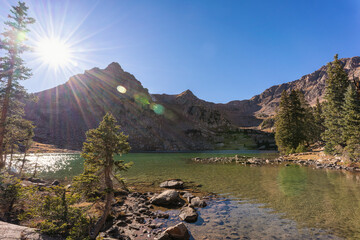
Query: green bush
pixel 301 148
pixel 59 216
pixel 10 193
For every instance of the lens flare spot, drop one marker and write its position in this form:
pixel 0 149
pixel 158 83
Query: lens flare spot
pixel 21 36
pixel 121 89
pixel 141 99
pixel 158 109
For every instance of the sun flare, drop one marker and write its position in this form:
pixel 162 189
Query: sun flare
pixel 54 52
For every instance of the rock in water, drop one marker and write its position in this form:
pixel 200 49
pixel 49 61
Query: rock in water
pixel 188 214
pixel 175 183
pixel 167 198
pixel 178 232
pixel 197 202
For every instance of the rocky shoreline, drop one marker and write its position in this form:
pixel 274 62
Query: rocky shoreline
pixel 333 163
pixel 136 215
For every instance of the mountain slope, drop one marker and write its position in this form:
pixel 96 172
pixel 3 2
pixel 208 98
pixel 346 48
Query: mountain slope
pixel 157 122
pixel 63 114
pixel 313 86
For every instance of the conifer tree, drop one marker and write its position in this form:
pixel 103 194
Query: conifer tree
pixel 336 86
pixel 297 118
pixel 283 134
pixel 308 123
pixel 351 134
pixel 12 69
pixel 294 122
pixel 99 149
pixel 318 120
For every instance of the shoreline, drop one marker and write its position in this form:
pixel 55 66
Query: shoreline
pixel 138 213
pixel 300 159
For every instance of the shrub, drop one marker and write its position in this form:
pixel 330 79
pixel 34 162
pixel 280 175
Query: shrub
pixel 10 193
pixel 301 148
pixel 58 215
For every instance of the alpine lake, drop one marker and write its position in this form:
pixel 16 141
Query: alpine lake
pixel 261 202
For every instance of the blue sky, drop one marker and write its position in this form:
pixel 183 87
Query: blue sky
pixel 221 50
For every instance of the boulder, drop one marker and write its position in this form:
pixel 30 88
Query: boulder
pixel 175 184
pixel 12 231
pixel 188 214
pixel 178 232
pixel 188 196
pixel 36 180
pixel 197 202
pixel 55 183
pixel 167 198
pixel 163 236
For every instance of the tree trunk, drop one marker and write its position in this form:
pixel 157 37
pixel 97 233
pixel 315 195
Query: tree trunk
pixel 11 156
pixel 4 111
pixel 23 161
pixel 108 199
pixel 35 170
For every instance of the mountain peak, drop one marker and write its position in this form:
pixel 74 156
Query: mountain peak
pixel 187 93
pixel 186 97
pixel 114 67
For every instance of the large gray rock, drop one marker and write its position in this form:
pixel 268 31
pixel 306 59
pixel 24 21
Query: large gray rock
pixel 188 214
pixel 174 183
pixel 167 198
pixel 15 232
pixel 197 202
pixel 178 232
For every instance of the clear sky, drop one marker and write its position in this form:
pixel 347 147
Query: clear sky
pixel 221 50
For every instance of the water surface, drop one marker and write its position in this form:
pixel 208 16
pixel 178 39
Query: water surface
pixel 268 202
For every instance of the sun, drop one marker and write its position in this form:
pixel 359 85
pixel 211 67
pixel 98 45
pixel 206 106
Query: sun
pixel 54 52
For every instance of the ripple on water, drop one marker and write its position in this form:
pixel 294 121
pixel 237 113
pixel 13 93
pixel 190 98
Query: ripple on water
pixel 227 219
pixel 263 202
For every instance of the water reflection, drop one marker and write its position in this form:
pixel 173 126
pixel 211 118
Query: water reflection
pixel 292 180
pixel 307 198
pixel 51 165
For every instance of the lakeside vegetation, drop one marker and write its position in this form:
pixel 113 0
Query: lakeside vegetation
pixel 335 122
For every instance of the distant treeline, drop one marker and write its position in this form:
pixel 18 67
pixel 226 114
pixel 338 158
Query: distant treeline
pixel 335 122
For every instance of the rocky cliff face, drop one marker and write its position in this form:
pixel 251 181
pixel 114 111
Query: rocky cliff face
pixel 63 114
pixel 313 85
pixel 159 121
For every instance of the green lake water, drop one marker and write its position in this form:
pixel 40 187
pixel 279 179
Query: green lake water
pixel 267 202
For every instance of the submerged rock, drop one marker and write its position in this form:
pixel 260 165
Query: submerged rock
pixel 174 183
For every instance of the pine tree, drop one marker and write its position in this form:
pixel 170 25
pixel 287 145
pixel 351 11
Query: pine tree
pixel 12 68
pixel 19 132
pixel 351 134
pixel 99 149
pixel 308 124
pixel 283 124
pixel 294 123
pixel 297 118
pixel 318 121
pixel 336 86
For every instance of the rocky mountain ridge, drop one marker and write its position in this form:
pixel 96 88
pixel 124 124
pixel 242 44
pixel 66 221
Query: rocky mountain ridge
pixel 156 122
